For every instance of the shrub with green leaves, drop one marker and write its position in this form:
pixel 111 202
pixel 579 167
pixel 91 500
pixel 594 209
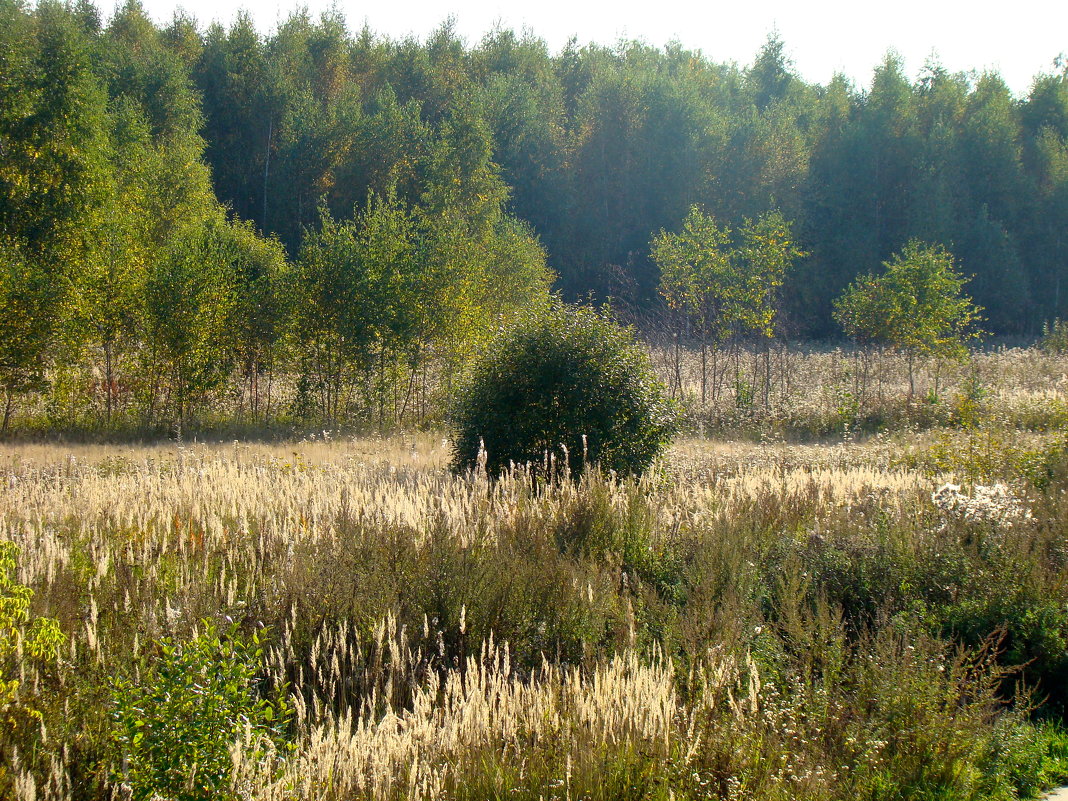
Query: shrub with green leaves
pixel 564 387
pixel 175 725
pixel 1054 337
pixel 35 637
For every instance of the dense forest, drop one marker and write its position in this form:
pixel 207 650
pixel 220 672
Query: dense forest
pixel 182 205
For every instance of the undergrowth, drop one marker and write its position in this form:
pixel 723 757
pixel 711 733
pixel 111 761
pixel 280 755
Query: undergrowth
pixel 776 624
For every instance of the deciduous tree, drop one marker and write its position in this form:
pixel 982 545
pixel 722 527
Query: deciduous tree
pixel 916 306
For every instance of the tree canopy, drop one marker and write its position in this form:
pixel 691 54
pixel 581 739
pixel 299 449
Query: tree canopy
pixel 440 186
pixel 915 306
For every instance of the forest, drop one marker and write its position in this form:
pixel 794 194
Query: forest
pixel 185 209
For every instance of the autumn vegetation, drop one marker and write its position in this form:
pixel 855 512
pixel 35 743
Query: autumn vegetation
pixel 398 419
pixel 213 227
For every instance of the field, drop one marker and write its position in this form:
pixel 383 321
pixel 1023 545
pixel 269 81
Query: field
pixel 252 283
pixel 873 616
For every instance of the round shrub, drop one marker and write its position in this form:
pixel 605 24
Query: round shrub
pixel 564 386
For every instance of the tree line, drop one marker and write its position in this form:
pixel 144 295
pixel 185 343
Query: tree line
pixel 186 208
pixel 602 146
pixel 128 287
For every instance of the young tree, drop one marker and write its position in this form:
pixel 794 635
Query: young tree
pixel 29 312
pixel 696 280
pixel 353 288
pixel 189 302
pixel 104 303
pixel 916 307
pixel 725 286
pixel 258 269
pixel 767 251
pixel 764 255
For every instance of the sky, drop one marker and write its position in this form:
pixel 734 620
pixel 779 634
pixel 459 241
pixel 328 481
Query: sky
pixel 1018 39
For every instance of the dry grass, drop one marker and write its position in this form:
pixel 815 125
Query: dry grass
pixel 699 633
pixel 834 392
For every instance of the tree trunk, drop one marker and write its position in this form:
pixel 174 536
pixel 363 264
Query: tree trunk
pixel 715 374
pixel 678 368
pixel 9 401
pixel 704 370
pixel 912 377
pixel 266 174
pixel 856 372
pixel 767 375
pixel 108 381
pixel 270 381
pixel 411 386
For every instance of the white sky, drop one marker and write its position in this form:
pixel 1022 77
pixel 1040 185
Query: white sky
pixel 1019 39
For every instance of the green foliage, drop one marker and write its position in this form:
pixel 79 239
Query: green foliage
pixel 359 278
pixel 20 633
pixel 916 306
pixel 1028 759
pixel 765 254
pixel 54 127
pixel 1054 337
pixel 564 387
pixel 397 284
pixel 189 300
pixel 122 138
pixel 29 310
pixel 696 275
pixel 174 724
pixel 354 294
pixel 726 290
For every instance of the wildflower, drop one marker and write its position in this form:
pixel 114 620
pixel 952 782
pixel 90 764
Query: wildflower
pixel 986 504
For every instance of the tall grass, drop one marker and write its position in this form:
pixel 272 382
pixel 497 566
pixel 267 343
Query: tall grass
pixel 806 393
pixel 800 391
pixel 762 621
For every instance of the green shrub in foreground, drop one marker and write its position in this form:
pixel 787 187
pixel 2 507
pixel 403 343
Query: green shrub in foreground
pixel 174 728
pixel 565 386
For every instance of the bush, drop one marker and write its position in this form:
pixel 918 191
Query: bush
pixel 564 387
pixel 1054 337
pixel 174 728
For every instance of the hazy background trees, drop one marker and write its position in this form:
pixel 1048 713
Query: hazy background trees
pixel 191 210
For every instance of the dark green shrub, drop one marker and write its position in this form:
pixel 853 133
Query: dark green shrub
pixel 565 386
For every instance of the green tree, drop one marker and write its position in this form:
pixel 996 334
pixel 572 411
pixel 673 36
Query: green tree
pixel 242 116
pixel 916 307
pixel 769 78
pixel 29 318
pixel 479 265
pixel 1045 118
pixel 53 130
pixel 259 272
pixel 726 287
pixel 765 254
pixel 104 305
pixel 697 281
pixel 354 295
pixel 189 302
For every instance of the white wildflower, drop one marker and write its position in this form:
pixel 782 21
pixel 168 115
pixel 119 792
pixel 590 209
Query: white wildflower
pixel 995 504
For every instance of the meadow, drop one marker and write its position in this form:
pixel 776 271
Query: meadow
pixel 838 595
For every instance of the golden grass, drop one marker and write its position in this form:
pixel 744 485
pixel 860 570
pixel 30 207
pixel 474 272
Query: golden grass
pixel 161 534
pixel 159 499
pixel 481 711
